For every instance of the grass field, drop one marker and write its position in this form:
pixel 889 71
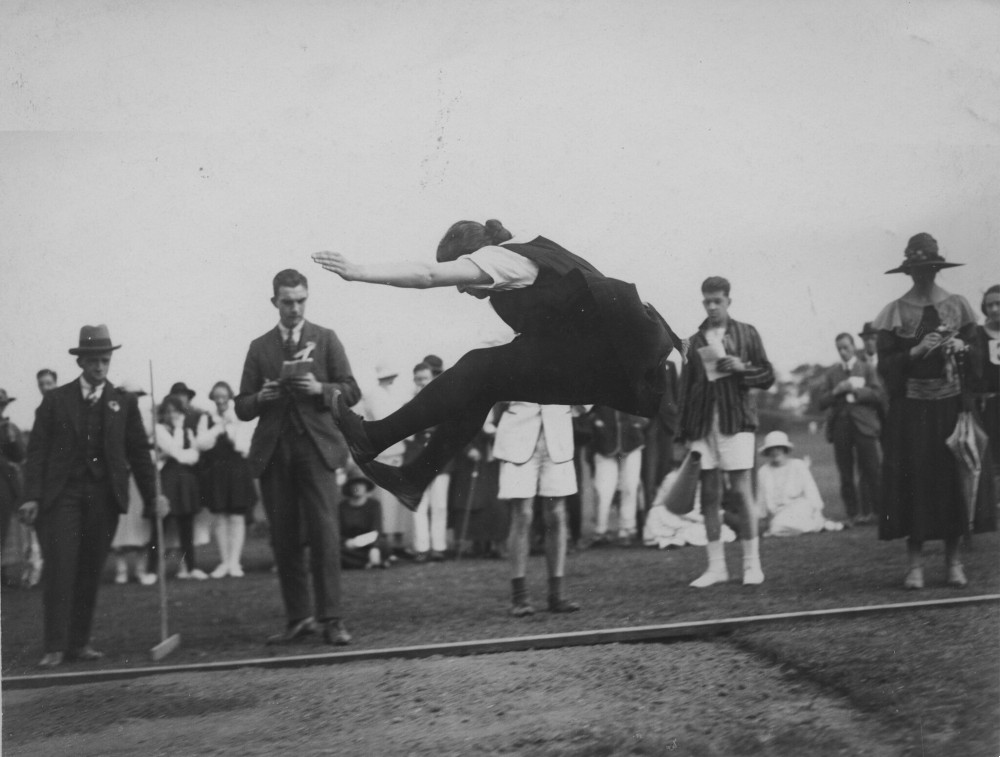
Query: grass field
pixel 936 672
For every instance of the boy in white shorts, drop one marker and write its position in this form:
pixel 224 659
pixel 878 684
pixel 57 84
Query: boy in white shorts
pixel 535 446
pixel 726 361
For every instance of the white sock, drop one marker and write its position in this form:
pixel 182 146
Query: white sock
pixel 716 557
pixel 222 538
pixel 751 553
pixel 237 536
pixel 717 571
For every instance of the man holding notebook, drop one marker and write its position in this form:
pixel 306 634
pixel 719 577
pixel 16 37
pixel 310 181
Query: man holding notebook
pixel 726 360
pixel 290 379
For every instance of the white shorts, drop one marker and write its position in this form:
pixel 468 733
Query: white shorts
pixel 539 476
pixel 725 451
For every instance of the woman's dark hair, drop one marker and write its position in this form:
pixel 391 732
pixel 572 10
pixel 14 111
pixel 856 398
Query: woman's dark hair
pixel 468 236
pixel 995 289
pixel 170 402
pixel 224 385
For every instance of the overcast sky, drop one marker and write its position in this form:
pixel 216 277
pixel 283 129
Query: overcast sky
pixel 160 162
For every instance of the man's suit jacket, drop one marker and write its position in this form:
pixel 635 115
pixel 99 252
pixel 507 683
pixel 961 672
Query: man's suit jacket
pixel 58 435
pixel 332 369
pixel 865 412
pixel 519 427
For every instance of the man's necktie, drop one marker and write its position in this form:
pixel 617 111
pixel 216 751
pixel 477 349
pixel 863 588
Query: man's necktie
pixel 291 348
pixel 93 396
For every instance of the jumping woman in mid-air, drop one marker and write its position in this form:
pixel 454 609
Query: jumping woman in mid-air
pixel 582 338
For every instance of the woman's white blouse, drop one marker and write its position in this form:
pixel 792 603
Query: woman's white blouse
pixel 508 269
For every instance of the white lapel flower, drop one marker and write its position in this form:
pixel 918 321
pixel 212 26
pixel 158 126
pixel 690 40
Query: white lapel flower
pixel 306 351
pixel 113 404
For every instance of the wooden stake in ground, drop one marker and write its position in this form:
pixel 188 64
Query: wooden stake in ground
pixel 167 643
pixel 468 509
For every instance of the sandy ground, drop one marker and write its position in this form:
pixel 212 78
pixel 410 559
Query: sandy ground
pixel 689 698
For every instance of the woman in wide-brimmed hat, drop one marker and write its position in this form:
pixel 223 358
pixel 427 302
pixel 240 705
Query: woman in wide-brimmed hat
pixel 924 355
pixel 787 491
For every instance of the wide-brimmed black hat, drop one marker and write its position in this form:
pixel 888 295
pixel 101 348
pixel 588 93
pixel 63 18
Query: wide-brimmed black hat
pixel 94 339
pixel 346 488
pixel 922 252
pixel 4 399
pixel 868 330
pixel 181 388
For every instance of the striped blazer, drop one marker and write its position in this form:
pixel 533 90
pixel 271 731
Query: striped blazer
pixel 730 394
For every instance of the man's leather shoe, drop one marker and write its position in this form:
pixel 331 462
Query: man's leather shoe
pixel 397 480
pixel 85 654
pixel 335 632
pixel 294 632
pixel 521 610
pixel 562 605
pixel 352 426
pixel 51 660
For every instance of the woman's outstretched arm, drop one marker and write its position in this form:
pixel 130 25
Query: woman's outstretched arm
pixel 407 274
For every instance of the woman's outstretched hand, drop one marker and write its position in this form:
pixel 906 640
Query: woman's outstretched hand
pixel 336 263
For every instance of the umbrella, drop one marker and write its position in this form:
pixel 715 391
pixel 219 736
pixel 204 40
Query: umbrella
pixel 968 444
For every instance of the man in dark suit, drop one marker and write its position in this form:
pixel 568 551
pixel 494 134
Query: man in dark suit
pixel 87 437
pixel 853 394
pixel 296 452
pixel 869 352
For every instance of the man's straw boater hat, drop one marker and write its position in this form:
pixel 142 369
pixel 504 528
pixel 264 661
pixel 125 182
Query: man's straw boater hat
pixel 94 339
pixel 922 252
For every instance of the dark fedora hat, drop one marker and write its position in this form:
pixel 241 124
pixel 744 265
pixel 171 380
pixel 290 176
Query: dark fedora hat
pixel 868 330
pixel 94 339
pixel 181 388
pixel 346 488
pixel 4 399
pixel 922 252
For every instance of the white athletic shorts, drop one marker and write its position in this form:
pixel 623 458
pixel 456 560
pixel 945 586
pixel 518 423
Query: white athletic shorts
pixel 538 476
pixel 725 451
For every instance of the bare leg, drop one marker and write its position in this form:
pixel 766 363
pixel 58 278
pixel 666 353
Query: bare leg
pixel 752 572
pixel 555 535
pixel 221 528
pixel 555 552
pixel 711 501
pixel 521 511
pixel 237 537
pixel 518 545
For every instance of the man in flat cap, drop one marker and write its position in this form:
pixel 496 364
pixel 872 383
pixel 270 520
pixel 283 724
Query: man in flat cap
pixel 88 436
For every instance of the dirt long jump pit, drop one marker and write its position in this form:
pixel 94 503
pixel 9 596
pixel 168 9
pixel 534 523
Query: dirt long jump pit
pixel 686 698
pixel 656 695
